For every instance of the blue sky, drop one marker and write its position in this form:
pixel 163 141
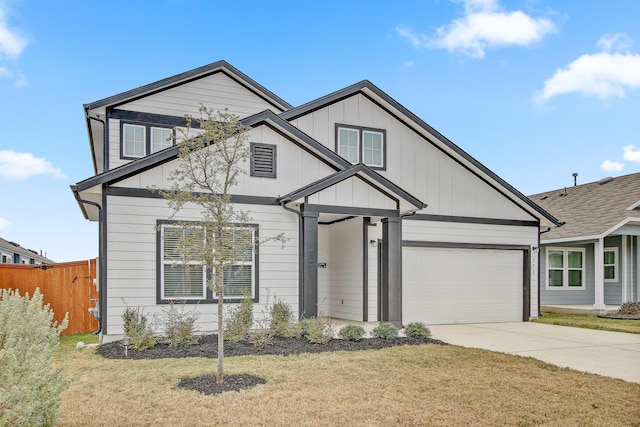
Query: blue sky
pixel 534 89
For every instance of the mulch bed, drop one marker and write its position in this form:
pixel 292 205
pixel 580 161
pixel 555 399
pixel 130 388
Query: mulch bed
pixel 207 346
pixel 620 316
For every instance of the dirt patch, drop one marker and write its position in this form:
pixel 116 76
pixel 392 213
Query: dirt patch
pixel 207 346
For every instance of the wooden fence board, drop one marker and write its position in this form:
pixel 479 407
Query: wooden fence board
pixel 67 288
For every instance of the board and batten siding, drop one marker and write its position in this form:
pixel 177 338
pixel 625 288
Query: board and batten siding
pixel 413 163
pixel 216 91
pixel 131 251
pixel 295 168
pixel 353 192
pixel 340 283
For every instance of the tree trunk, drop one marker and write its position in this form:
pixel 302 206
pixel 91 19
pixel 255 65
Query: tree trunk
pixel 220 292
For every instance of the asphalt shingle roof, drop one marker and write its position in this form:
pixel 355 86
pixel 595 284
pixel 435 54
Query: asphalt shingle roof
pixel 591 209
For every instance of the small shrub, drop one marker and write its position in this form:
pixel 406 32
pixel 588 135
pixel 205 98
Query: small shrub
pixel 351 333
pixel 239 320
pixel 303 327
pixel 630 308
pixel 281 324
pixel 417 330
pixel 30 387
pixel 179 327
pixel 261 337
pixel 319 330
pixel 386 331
pixel 137 331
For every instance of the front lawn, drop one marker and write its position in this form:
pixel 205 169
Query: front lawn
pixel 407 385
pixel 590 321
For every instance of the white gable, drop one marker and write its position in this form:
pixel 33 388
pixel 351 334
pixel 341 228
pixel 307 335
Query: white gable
pixel 413 163
pixel 217 91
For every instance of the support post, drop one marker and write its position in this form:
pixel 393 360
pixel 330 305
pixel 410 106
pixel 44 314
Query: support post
pixel 598 270
pixel 392 271
pixel 309 264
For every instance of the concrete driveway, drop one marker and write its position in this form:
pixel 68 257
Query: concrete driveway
pixel 612 354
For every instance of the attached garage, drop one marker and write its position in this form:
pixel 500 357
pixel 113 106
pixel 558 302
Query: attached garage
pixel 444 285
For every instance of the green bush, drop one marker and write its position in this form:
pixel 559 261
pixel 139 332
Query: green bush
pixel 137 331
pixel 386 331
pixel 630 308
pixel 29 385
pixel 351 333
pixel 417 330
pixel 239 320
pixel 319 330
pixel 303 327
pixel 281 320
pixel 179 327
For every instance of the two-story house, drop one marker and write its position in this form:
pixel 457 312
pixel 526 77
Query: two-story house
pixel 385 218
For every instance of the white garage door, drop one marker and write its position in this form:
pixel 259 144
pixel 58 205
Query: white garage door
pixel 444 286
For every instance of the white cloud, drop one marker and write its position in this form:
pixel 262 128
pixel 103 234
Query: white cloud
pixel 606 74
pixel 631 155
pixel 12 43
pixel 483 26
pixel 610 166
pixel 4 223
pixel 20 166
pixel 615 42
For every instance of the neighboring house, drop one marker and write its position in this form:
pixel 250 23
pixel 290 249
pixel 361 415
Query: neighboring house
pixel 386 219
pixel 13 253
pixel 593 258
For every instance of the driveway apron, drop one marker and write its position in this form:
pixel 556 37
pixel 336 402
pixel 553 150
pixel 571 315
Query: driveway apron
pixel 611 354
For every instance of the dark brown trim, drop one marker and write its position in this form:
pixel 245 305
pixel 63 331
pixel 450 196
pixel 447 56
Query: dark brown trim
pixel 153 119
pixel 472 220
pixel 349 210
pixel 148 194
pixel 361 130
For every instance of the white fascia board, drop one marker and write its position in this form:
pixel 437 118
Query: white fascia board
pixel 591 237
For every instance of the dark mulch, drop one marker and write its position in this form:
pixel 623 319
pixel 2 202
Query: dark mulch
pixel 207 346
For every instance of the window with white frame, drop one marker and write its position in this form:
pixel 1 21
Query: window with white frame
pixel 138 140
pixel 361 145
pixel 611 264
pixel 133 140
pixel 5 259
pixel 181 271
pixel 565 268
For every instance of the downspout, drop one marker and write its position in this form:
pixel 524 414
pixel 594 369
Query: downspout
pixel 105 145
pixel 101 298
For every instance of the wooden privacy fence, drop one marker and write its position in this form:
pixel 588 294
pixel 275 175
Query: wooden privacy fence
pixel 67 287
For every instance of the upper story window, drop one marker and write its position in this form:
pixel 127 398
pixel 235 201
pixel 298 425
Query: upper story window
pixel 140 140
pixel 565 268
pixel 361 145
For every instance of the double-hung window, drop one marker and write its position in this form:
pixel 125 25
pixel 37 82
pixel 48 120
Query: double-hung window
pixel 361 145
pixel 565 268
pixel 138 140
pixel 611 264
pixel 181 271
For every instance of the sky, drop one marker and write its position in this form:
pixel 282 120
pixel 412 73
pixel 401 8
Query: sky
pixel 534 89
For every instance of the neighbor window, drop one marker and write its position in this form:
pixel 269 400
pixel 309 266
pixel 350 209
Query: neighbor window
pixel 5 259
pixel 565 268
pixel 182 275
pixel 361 145
pixel 611 264
pixel 138 140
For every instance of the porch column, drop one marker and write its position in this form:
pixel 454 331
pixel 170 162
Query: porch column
pixel 391 303
pixel 598 271
pixel 309 288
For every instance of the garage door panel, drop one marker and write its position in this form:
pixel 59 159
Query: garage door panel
pixel 447 285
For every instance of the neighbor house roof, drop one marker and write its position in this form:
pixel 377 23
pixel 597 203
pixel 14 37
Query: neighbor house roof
pixel 592 210
pixel 7 246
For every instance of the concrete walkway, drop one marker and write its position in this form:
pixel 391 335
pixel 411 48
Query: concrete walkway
pixel 612 354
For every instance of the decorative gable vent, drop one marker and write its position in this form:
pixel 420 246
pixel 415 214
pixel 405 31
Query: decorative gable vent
pixel 263 160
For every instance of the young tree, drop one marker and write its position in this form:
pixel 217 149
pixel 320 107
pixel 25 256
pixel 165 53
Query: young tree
pixel 210 163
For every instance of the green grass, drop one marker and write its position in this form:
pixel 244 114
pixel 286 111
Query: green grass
pixel 590 321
